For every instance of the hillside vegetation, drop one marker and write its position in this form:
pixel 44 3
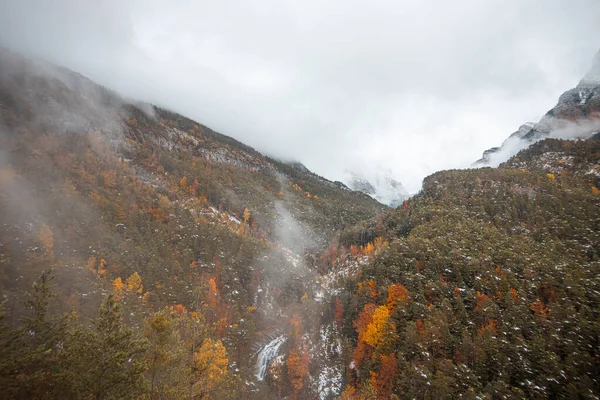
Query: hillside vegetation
pixel 489 287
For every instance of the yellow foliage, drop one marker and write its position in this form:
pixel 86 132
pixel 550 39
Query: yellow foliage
pixel 595 190
pixel 118 288
pixel 91 264
pixel 146 297
pixel 376 328
pixel 134 283
pixel 368 249
pixel 102 268
pixel 210 367
pixel 551 176
pixel 349 393
pixel 305 296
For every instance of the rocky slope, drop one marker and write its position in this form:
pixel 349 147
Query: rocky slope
pixel 576 115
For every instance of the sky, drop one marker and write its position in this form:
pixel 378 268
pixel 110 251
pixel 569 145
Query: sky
pixel 412 86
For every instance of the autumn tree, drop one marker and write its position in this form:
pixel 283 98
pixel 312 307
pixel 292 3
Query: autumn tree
pixel 134 283
pixel 397 293
pixel 297 366
pixel 209 370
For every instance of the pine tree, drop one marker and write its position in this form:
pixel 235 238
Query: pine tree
pixel 108 361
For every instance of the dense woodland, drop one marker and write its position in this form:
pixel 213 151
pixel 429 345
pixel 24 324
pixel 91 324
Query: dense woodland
pixel 489 287
pixel 145 256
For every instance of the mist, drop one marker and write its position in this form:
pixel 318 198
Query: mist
pixel 412 87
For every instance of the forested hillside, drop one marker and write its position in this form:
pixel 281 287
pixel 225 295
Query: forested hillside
pixel 201 241
pixel 145 256
pixel 489 287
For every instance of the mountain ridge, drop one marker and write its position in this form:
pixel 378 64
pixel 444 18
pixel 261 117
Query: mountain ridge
pixel 576 115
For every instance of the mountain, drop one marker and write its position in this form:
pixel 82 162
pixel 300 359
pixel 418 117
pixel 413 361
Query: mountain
pixel 180 224
pixel 381 186
pixel 576 115
pixel 144 255
pixel 487 287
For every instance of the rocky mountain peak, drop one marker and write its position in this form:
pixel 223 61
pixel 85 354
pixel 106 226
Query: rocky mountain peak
pixel 592 78
pixel 575 116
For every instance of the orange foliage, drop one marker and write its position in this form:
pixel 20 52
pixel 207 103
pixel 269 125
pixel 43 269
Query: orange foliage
pixel 179 309
pixel 194 187
pixel 397 292
pixel 420 326
pixel 456 292
pixel 146 298
pixel 221 325
pixel 513 293
pixel 365 317
pixel 295 327
pixel 212 293
pixel 369 249
pixel 383 381
pixel 369 288
pixel 118 287
pixel 480 301
pixel 539 308
pixel 183 182
pixel 490 327
pixel 349 393
pixel 297 364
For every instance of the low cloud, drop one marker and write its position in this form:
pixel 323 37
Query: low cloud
pixel 413 87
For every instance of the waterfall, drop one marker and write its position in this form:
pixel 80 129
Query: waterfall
pixel 266 354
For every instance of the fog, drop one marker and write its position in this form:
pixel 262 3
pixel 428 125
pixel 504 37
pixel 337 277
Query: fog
pixel 410 86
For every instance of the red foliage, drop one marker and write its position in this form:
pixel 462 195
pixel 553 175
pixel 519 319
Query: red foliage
pixel 383 381
pixel 339 313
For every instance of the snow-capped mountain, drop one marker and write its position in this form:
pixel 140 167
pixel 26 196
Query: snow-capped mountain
pixel 575 116
pixel 379 185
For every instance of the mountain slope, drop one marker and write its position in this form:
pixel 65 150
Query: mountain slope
pixel 489 284
pixel 576 115
pixel 136 201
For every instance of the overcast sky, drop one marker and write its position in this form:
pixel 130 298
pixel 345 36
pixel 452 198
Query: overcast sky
pixel 412 86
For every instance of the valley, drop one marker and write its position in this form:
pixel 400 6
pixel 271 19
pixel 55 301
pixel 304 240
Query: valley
pixel 182 263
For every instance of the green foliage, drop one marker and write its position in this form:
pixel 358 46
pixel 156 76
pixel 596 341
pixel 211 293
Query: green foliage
pixel 501 268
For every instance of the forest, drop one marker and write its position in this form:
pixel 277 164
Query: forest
pixel 145 256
